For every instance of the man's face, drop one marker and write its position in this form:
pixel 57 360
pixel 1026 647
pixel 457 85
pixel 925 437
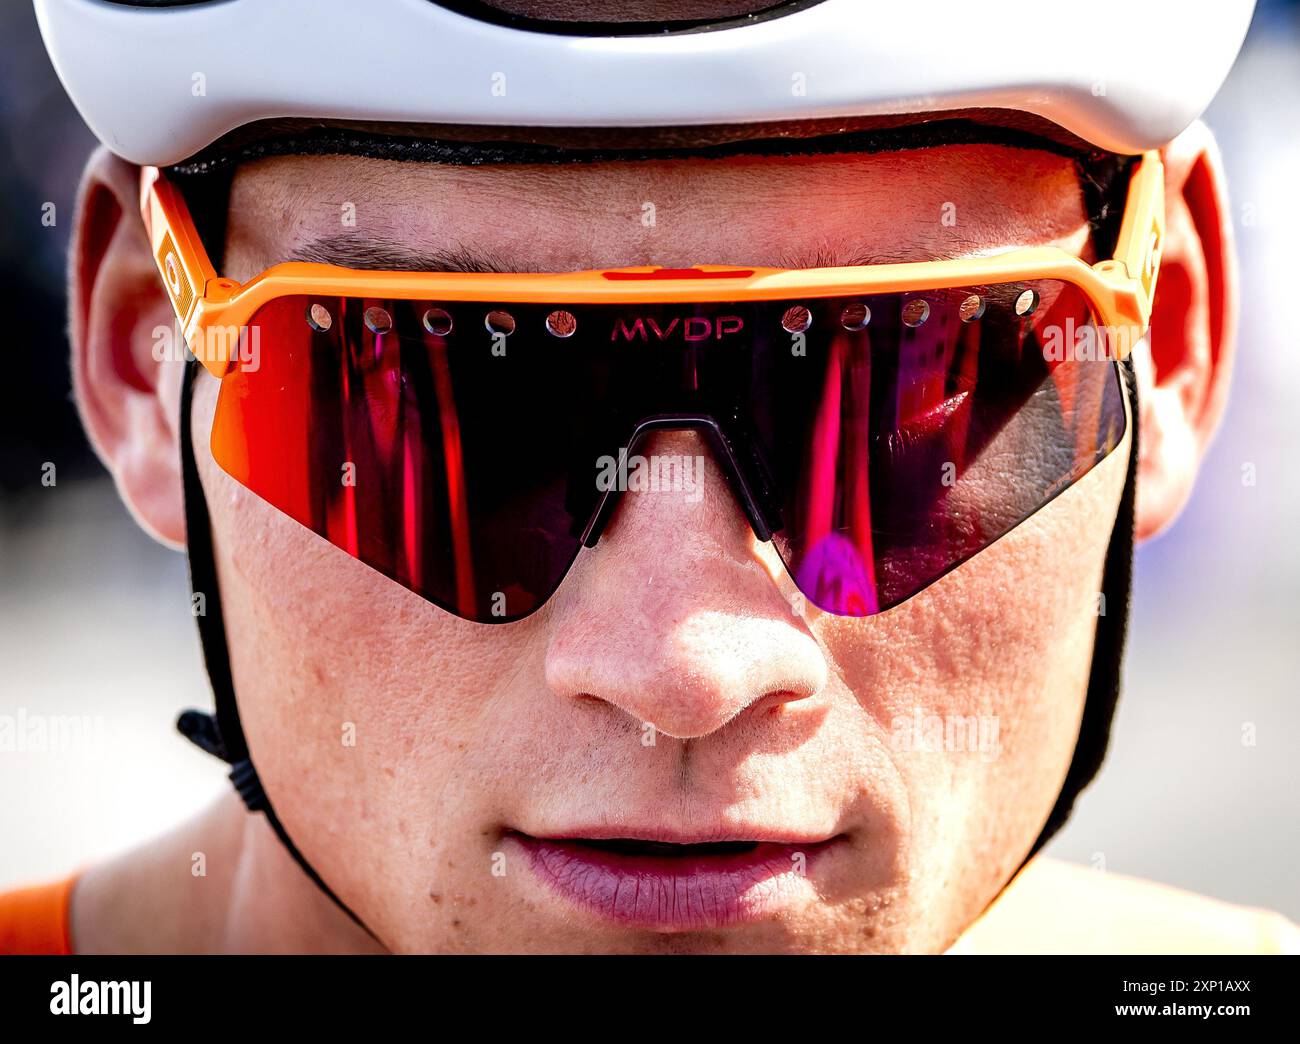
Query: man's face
pixel 457 784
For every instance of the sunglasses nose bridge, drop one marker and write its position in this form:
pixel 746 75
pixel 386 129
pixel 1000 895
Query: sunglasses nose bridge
pixel 735 455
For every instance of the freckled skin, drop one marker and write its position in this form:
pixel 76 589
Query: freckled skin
pixel 465 731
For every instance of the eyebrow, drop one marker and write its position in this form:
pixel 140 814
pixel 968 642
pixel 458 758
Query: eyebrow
pixel 363 251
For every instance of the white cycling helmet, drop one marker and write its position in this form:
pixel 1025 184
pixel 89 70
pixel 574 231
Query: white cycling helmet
pixel 158 80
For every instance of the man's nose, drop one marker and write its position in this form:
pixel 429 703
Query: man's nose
pixel 674 618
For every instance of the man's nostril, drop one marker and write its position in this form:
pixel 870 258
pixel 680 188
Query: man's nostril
pixel 775 701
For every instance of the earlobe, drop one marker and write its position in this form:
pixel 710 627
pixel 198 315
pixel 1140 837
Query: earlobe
pixel 1184 371
pixel 125 375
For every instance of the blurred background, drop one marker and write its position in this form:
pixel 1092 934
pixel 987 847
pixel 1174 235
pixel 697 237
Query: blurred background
pixel 1199 790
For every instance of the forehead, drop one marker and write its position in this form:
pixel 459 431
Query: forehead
pixel 781 210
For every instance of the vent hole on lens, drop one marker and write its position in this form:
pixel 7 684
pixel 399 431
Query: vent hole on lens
pixel 855 316
pixel 561 323
pixel 319 318
pixel 499 322
pixel 796 319
pixel 916 311
pixel 1026 303
pixel 378 320
pixel 971 308
pixel 437 321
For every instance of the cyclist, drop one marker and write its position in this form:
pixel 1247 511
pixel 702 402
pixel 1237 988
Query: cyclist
pixel 649 487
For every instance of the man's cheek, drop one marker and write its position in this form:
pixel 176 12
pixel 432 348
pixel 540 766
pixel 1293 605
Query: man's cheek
pixel 981 677
pixel 340 670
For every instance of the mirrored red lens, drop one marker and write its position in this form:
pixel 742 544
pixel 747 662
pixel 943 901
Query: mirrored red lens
pixel 459 447
pixel 903 449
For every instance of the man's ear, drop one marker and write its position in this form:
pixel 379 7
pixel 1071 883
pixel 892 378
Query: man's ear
pixel 1183 378
pixel 127 390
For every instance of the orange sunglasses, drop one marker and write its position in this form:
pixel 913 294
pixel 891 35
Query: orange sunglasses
pixel 880 424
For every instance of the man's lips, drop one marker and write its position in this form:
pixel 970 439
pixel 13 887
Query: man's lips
pixel 675 885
